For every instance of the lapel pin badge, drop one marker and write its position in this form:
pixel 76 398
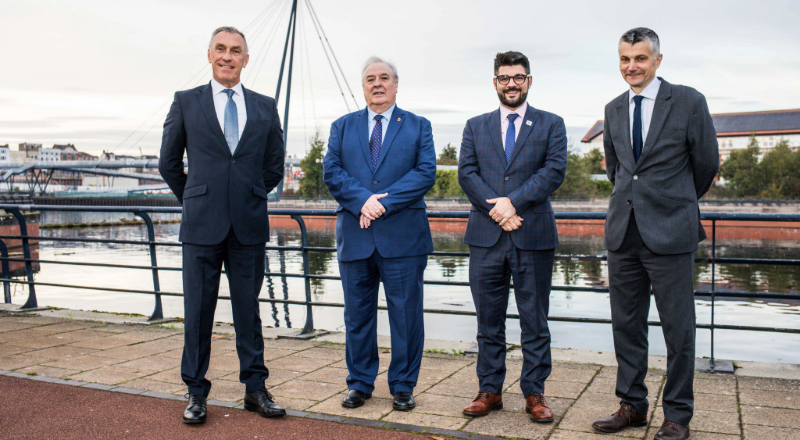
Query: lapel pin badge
pixel 528 123
pixel 398 119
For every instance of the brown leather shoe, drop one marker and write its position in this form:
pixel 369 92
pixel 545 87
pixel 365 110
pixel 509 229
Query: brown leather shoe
pixel 672 431
pixel 484 403
pixel 620 420
pixel 537 409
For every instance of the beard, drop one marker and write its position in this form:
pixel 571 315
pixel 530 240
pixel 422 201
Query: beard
pixel 513 103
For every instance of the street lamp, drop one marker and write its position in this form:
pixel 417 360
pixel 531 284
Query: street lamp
pixel 319 180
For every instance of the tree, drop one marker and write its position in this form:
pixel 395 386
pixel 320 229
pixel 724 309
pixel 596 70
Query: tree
pixel 448 156
pixel 311 183
pixel 595 157
pixel 742 170
pixel 446 185
pixel 578 179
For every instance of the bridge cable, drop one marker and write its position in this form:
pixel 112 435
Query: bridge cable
pixel 268 43
pixel 324 49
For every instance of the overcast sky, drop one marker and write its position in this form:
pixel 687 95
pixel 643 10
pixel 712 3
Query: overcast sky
pixel 100 74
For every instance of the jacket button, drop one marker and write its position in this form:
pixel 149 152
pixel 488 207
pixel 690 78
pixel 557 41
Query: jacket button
pixel 629 202
pixel 374 182
pixel 635 177
pixel 507 177
pixel 233 160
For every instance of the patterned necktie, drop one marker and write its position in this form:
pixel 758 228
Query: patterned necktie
pixel 375 140
pixel 638 143
pixel 511 136
pixel 231 121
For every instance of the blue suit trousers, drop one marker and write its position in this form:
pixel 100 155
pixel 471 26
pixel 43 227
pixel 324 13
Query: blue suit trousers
pixel 402 283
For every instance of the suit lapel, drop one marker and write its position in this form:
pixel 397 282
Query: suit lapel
pixel 398 117
pixel 623 125
pixel 362 126
pixel 252 117
pixel 531 115
pixel 207 105
pixel 661 110
pixel 496 135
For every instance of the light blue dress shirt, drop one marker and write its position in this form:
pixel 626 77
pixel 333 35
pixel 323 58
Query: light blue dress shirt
pixel 385 118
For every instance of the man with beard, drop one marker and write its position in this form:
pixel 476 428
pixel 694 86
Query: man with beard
pixel 511 160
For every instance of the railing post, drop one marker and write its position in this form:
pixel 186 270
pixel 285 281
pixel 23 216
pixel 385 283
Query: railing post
pixel 308 331
pixel 31 303
pixel 713 283
pixel 158 313
pixel 6 272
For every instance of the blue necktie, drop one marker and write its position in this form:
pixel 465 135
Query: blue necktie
pixel 511 136
pixel 231 121
pixel 375 140
pixel 638 143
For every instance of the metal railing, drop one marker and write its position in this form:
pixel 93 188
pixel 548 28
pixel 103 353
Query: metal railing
pixel 305 249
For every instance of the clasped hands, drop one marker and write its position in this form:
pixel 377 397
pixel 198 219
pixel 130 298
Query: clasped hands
pixel 505 214
pixel 372 210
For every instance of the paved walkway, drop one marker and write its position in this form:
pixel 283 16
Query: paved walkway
pixel 309 379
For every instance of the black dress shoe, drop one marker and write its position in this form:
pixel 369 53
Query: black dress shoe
pixel 403 401
pixel 263 403
pixel 355 398
pixel 196 409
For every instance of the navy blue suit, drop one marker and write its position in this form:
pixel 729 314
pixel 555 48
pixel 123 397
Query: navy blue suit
pixel 536 169
pixel 224 221
pixel 393 249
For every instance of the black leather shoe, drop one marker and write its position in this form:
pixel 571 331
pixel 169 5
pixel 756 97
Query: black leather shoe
pixel 355 398
pixel 196 409
pixel 263 403
pixel 403 401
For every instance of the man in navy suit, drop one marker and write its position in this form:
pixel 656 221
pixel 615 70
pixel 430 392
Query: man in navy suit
pixel 379 166
pixel 511 160
pixel 235 147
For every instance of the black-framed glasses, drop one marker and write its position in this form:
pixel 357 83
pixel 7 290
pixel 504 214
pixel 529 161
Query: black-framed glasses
pixel 505 79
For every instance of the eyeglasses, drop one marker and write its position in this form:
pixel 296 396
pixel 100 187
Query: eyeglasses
pixel 505 79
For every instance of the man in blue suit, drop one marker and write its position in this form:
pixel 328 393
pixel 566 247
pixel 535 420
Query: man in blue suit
pixel 511 160
pixel 234 143
pixel 379 166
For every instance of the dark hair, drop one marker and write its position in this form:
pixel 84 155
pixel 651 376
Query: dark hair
pixel 511 58
pixel 639 34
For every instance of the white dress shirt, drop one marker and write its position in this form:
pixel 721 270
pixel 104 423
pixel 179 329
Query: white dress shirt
pixel 504 112
pixel 650 92
pixel 221 100
pixel 385 118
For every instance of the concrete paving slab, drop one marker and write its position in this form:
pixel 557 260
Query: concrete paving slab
pixel 226 390
pixel 128 352
pixel 441 405
pixel 563 434
pixel 697 435
pixel 591 407
pixel 303 389
pixel 276 353
pixel 111 375
pixel 8 350
pixel 17 361
pixel 774 399
pixel 328 375
pixel 566 374
pixel 769 384
pixel 174 375
pixel 82 363
pixel 225 362
pixel 321 353
pixel 514 423
pixel 705 421
pixel 716 402
pixel 295 404
pixel 765 369
pixel 756 432
pixel 154 385
pixel 302 364
pixel 777 417
pixel 382 387
pixel 291 344
pixel 374 408
pixel 62 352
pixel 711 386
pixel 420 419
pixel 156 363
pixel 48 371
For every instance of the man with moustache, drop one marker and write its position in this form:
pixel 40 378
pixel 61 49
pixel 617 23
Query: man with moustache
pixel 662 156
pixel 234 143
pixel 511 160
pixel 379 165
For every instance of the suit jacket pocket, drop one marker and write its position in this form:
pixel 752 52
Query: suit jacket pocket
pixel 195 191
pixel 677 198
pixel 259 191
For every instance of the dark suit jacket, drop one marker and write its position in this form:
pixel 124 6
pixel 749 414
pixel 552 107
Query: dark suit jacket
pixel 406 170
pixel 536 169
pixel 222 190
pixel 679 161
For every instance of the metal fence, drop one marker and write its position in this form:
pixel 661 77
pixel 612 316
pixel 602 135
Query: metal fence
pixel 298 214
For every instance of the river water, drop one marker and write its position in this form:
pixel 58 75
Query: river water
pixel 737 345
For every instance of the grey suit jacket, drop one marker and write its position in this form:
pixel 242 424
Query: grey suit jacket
pixel 679 161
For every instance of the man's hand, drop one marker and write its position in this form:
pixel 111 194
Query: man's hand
pixel 503 209
pixel 373 209
pixel 511 224
pixel 364 222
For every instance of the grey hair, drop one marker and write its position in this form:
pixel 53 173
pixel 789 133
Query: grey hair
pixel 636 35
pixel 230 30
pixel 373 60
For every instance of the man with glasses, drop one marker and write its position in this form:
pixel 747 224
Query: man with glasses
pixel 379 166
pixel 511 160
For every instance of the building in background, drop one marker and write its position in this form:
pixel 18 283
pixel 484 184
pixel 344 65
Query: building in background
pixel 31 150
pixel 49 155
pixel 5 153
pixel 734 130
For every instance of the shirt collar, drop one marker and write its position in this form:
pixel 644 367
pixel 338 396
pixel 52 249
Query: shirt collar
pixel 504 112
pixel 387 114
pixel 649 92
pixel 216 87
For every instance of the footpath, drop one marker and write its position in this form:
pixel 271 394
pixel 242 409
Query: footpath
pixel 73 374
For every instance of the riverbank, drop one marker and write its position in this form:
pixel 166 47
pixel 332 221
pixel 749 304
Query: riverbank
pixel 96 350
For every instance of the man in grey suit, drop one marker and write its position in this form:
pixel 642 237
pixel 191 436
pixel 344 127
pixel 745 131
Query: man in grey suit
pixel 662 156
